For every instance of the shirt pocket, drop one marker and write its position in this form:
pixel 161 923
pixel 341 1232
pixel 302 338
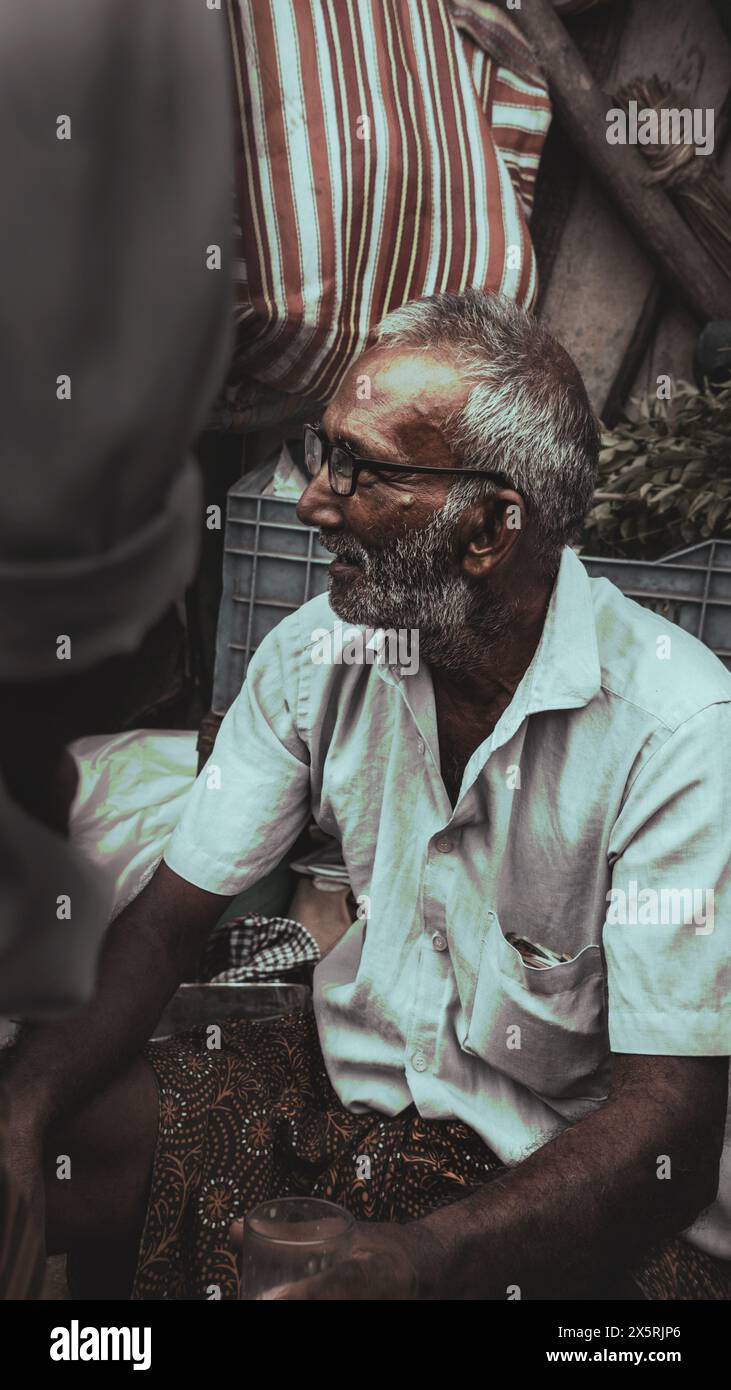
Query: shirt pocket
pixel 546 1029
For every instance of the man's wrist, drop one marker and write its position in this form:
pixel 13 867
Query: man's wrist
pixel 427 1258
pixel 29 1102
pixel 28 1128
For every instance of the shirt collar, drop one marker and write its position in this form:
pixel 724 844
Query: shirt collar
pixel 565 669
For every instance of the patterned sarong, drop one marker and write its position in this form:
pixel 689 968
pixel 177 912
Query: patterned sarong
pixel 257 1118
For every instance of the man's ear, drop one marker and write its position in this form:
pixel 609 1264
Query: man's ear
pixel 493 527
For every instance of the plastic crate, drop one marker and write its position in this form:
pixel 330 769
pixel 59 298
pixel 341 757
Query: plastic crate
pixel 691 588
pixel 272 564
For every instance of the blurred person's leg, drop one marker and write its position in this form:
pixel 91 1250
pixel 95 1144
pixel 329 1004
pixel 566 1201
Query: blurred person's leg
pixel 97 1175
pixel 97 1164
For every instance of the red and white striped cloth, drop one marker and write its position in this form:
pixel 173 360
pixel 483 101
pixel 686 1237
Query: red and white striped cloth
pixel 388 149
pixel 571 7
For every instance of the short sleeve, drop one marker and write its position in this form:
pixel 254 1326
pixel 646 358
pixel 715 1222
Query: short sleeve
pixel 252 798
pixel 666 934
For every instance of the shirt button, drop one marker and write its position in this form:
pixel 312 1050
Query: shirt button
pixel 421 746
pixel 444 845
pixel 419 1061
pixel 439 942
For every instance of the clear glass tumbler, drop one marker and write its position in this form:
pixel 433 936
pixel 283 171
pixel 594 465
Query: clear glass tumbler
pixel 291 1239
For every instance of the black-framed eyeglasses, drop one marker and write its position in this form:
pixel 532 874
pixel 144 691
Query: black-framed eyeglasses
pixel 343 466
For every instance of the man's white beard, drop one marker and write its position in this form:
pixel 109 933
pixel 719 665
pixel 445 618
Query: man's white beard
pixel 412 583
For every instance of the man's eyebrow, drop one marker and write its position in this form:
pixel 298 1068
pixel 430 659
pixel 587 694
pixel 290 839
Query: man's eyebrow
pixel 351 441
pixel 359 446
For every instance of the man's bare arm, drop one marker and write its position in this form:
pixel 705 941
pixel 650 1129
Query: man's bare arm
pixel 593 1198
pixel 149 949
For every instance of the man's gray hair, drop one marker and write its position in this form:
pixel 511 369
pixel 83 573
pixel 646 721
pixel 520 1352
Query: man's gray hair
pixel 527 415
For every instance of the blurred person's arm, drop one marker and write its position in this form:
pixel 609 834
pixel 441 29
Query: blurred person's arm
pixel 113 323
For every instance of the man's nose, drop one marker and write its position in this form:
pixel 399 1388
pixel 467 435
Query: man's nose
pixel 318 505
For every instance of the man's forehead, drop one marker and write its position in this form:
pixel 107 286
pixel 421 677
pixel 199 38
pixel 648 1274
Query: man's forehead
pixel 391 393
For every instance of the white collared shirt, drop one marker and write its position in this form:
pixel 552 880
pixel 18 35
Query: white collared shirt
pixel 593 821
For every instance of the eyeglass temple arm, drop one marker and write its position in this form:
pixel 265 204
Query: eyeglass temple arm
pixel 424 468
pixel 378 464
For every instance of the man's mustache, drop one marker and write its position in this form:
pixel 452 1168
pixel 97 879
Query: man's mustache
pixel 344 547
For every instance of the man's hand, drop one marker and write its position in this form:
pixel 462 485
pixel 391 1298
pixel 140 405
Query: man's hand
pixel 387 1261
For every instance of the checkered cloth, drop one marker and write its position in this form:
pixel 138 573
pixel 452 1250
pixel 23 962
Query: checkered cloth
pixel 253 948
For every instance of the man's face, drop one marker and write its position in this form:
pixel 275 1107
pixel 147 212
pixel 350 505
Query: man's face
pixel 397 555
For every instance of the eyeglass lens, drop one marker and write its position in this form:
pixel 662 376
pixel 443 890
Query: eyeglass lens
pixel 341 471
pixel 313 452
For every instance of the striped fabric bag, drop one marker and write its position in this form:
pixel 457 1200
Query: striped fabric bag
pixel 388 149
pixel 571 7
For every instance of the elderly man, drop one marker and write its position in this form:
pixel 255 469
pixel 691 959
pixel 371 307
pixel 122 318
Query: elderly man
pixel 516 1070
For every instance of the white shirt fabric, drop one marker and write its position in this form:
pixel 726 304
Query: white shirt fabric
pixel 129 795
pixel 605 785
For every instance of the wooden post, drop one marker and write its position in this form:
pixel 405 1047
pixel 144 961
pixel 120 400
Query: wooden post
pixel 657 224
